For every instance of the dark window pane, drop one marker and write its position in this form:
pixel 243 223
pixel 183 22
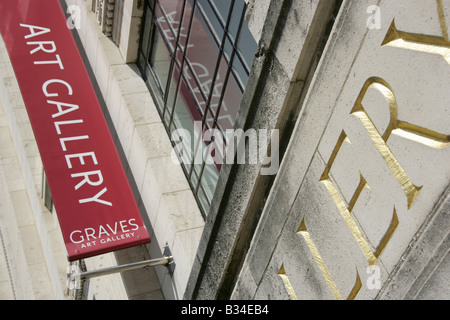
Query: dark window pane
pixel 247 46
pixel 168 17
pixel 160 60
pixel 145 45
pixel 202 53
pixel 186 111
pixel 230 106
pixel 203 200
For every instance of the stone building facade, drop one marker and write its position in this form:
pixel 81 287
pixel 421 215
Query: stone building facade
pixel 349 102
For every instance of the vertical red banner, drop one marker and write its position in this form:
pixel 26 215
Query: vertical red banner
pixel 94 202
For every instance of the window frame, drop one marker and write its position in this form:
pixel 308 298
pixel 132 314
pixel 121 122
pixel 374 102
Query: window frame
pixel 183 69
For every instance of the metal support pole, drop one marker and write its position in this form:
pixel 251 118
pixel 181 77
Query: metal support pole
pixel 126 267
pixel 77 279
pixel 168 261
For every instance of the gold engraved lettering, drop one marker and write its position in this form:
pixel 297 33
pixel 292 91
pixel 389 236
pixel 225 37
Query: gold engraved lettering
pixel 404 40
pixel 362 185
pixel 441 13
pixel 417 42
pixel 387 237
pixel 424 136
pixel 340 203
pixel 287 283
pixel 356 288
pixel 420 42
pixel 411 191
pixel 303 231
pixel 346 211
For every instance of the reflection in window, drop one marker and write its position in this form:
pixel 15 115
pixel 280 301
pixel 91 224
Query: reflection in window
pixel 195 56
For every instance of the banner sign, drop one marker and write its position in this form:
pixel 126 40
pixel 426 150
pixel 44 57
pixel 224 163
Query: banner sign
pixel 94 202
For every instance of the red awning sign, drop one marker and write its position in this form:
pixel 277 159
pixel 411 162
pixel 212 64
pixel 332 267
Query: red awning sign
pixel 96 208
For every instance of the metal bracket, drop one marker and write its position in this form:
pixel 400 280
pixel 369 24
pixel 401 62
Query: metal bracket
pixel 171 265
pixel 75 277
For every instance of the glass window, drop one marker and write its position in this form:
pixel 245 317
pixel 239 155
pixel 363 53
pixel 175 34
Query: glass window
pixel 145 45
pixel 195 56
pixel 160 60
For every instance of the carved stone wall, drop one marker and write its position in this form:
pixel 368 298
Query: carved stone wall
pixel 359 209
